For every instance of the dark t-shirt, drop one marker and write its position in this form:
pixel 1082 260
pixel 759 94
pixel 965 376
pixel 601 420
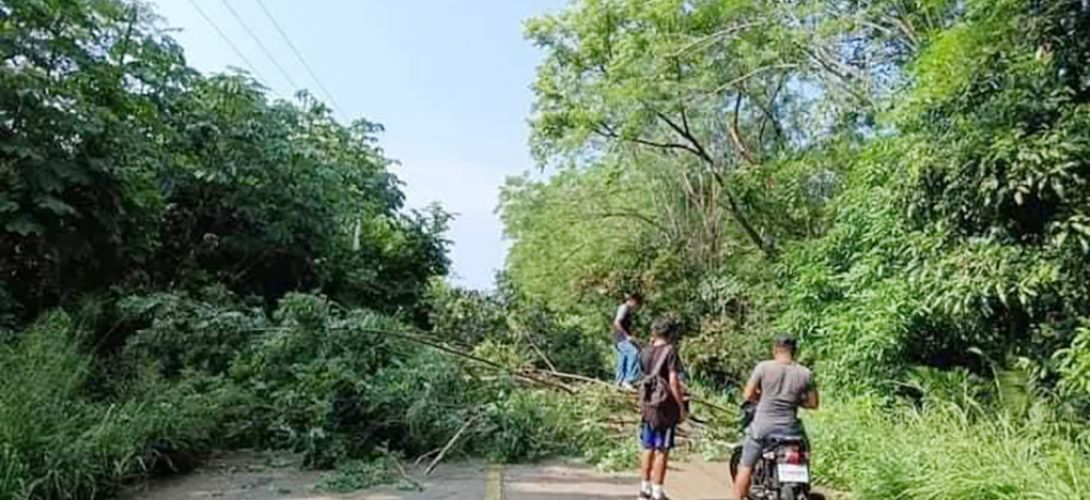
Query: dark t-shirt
pixel 624 317
pixel 650 355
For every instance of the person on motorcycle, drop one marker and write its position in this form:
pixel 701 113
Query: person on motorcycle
pixel 779 387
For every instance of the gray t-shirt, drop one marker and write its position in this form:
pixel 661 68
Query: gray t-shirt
pixel 783 387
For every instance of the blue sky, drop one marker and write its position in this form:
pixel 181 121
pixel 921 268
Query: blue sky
pixel 449 79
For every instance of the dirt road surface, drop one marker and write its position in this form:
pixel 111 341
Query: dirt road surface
pixel 242 477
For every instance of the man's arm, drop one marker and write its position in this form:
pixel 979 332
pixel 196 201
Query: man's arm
pixel 811 400
pixel 752 392
pixel 675 390
pixel 621 312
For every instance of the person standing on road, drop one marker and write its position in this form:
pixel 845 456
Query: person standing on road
pixel 628 354
pixel 660 416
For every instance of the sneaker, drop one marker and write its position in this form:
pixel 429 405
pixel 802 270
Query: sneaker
pixel 645 494
pixel 628 386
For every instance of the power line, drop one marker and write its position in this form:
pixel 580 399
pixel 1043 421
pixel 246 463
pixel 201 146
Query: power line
pixel 299 56
pixel 227 39
pixel 260 45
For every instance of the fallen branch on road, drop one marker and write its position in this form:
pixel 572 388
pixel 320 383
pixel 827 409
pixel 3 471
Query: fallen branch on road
pixel 450 444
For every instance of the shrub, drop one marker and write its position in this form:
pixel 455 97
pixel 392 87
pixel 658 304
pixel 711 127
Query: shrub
pixel 344 388
pixel 944 451
pixel 202 333
pixel 59 443
pixel 525 424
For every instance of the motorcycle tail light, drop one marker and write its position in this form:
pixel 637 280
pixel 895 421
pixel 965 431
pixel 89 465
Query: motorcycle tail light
pixel 795 455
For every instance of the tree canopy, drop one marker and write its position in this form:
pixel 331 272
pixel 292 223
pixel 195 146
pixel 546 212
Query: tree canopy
pixel 119 164
pixel 901 183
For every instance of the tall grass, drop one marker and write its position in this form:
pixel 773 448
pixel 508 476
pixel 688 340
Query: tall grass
pixel 56 443
pixel 948 452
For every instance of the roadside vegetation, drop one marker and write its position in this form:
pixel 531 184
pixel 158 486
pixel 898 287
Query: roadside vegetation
pixel 900 183
pixel 189 265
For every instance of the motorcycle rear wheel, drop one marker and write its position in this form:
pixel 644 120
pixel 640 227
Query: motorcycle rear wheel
pixel 793 492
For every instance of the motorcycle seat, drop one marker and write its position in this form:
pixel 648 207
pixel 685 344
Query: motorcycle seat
pixel 775 439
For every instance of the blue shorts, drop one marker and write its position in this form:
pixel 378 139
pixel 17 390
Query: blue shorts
pixel 651 439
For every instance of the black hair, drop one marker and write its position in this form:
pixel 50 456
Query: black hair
pixel 636 296
pixel 664 327
pixel 787 342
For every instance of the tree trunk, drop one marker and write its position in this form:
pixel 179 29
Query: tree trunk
pixel 766 246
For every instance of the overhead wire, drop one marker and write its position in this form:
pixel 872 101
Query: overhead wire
pixel 227 39
pixel 299 55
pixel 260 45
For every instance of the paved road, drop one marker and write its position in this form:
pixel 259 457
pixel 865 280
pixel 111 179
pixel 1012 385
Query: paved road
pixel 240 478
pixel 685 481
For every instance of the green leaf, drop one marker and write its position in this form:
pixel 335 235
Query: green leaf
pixel 24 226
pixel 55 205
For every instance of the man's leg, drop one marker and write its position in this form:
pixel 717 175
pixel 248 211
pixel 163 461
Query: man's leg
pixel 664 443
pixel 618 377
pixel 646 457
pixel 751 452
pixel 658 467
pixel 631 359
pixel 741 481
pixel 658 473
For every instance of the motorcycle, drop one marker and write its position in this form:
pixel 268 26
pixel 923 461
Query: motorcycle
pixel 783 470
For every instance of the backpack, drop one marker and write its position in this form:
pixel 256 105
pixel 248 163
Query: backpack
pixel 660 411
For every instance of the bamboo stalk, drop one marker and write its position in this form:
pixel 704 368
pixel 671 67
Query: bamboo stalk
pixel 450 444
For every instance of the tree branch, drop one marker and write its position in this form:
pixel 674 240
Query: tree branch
pixel 764 245
pixel 751 74
pixel 736 136
pixel 846 74
pixel 770 116
pixel 713 37
pixel 629 215
pixel 696 147
pixel 609 133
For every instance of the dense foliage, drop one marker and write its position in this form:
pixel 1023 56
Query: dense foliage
pixel 948 451
pixel 157 230
pixel 902 184
pixel 120 165
pixel 204 371
pixel 186 263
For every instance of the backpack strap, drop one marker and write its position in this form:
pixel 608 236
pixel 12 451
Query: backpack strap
pixel 657 369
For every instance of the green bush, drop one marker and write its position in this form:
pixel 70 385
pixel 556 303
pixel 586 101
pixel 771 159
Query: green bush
pixel 521 424
pixel 57 442
pixel 343 388
pixel 507 326
pixel 944 451
pixel 203 333
pixel 332 386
